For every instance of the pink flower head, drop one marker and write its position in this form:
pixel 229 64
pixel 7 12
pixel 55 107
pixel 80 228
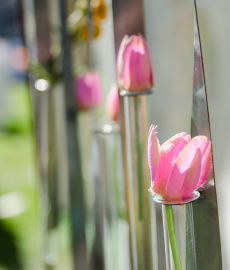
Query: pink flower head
pixel 134 68
pixel 88 91
pixel 112 103
pixel 179 166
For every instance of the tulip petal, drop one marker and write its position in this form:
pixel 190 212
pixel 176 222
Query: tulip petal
pixel 150 70
pixel 169 151
pixel 192 176
pixel 137 68
pixel 153 153
pixel 183 135
pixel 112 102
pixel 120 60
pixel 206 152
pixel 174 187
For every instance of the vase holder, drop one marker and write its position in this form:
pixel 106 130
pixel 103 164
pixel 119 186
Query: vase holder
pixel 158 199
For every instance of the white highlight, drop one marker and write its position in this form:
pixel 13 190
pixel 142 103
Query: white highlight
pixel 106 128
pixel 76 16
pixel 41 85
pixel 12 204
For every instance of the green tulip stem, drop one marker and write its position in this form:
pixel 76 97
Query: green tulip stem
pixel 139 161
pixel 172 237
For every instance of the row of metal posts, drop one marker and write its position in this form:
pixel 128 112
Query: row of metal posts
pixel 59 162
pixel 55 129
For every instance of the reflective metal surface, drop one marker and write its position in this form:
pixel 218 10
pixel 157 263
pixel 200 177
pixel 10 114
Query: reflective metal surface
pixel 128 93
pixel 205 210
pixel 48 133
pixel 77 203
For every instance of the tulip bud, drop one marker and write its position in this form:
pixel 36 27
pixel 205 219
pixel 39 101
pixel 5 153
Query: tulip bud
pixel 88 91
pixel 112 103
pixel 134 68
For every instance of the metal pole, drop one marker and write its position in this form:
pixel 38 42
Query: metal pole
pixel 205 209
pixel 77 205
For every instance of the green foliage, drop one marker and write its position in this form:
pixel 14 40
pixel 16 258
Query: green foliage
pixel 9 252
pixel 50 70
pixel 17 119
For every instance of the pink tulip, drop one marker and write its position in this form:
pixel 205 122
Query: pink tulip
pixel 134 68
pixel 112 103
pixel 88 91
pixel 179 166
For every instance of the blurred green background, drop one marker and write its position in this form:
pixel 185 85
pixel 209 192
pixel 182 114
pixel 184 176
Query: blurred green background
pixel 19 213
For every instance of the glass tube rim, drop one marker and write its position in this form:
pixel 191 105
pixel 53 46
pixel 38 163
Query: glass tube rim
pixel 158 199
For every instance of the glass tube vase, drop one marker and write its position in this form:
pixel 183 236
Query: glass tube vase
pixel 110 214
pixel 179 239
pixel 134 133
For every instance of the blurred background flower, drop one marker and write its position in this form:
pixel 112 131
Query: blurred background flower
pixel 88 91
pixel 112 102
pixel 80 23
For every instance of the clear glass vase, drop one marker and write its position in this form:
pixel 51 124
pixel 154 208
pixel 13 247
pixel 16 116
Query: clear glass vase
pixel 179 237
pixel 134 133
pixel 110 212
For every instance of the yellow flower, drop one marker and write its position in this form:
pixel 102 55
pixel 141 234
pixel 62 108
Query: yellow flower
pixel 99 10
pixel 84 31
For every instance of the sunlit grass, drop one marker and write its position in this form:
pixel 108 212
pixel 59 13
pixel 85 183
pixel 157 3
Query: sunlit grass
pixel 18 173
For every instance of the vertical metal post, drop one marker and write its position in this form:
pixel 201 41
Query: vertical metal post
pixel 77 206
pixel 128 19
pixel 38 44
pixel 205 209
pixel 48 142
